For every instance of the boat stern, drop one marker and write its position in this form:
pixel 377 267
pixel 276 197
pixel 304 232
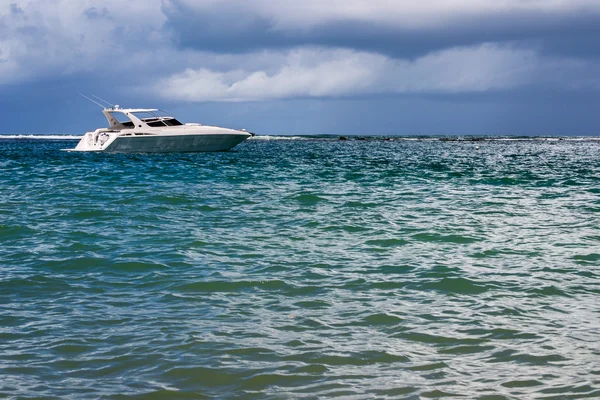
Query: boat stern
pixel 99 140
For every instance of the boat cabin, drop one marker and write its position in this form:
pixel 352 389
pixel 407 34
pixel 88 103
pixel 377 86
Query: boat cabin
pixel 129 118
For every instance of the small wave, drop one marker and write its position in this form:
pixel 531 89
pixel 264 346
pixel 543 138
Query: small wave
pixel 273 137
pixel 232 286
pixel 361 358
pixel 308 199
pixel 436 237
pixel 428 138
pixel 42 137
pixel 428 367
pixel 382 319
pixel 545 139
pixel 457 286
pixel 522 383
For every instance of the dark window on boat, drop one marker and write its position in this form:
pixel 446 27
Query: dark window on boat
pixel 163 122
pixel 157 118
pixel 121 119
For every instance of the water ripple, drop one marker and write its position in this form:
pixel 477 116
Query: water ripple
pixel 302 268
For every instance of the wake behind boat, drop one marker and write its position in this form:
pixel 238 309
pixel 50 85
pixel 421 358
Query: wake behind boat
pixel 150 130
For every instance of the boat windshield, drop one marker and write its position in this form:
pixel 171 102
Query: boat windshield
pixel 157 118
pixel 121 119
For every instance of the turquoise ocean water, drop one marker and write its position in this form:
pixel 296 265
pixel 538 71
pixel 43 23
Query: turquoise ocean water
pixel 302 268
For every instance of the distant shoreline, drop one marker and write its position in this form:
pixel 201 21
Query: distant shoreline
pixel 351 137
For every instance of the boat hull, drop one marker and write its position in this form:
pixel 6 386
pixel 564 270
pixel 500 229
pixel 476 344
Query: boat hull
pixel 175 143
pixel 114 142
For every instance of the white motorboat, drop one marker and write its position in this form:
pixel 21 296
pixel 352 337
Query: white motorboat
pixel 150 130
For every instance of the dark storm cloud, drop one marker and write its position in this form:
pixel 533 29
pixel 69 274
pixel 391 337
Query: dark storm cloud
pixel 225 28
pixel 520 66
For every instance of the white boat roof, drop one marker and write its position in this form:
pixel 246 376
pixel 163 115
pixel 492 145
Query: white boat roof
pixel 131 110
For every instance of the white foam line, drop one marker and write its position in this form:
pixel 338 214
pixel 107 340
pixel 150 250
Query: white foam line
pixel 267 137
pixel 42 137
pixel 351 137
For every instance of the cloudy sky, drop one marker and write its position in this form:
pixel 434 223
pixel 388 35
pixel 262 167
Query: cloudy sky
pixel 309 66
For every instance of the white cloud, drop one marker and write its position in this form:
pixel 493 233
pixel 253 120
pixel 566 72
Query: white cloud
pixel 314 72
pixel 42 38
pixel 302 73
pixel 126 42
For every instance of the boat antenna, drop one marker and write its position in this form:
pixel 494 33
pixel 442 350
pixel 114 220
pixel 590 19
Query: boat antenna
pixel 93 101
pixel 104 101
